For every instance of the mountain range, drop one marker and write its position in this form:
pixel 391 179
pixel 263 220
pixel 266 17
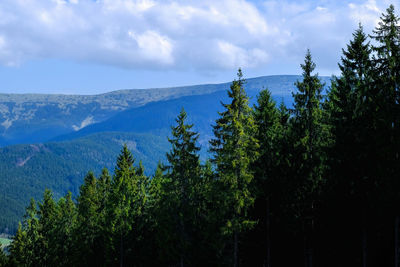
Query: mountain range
pixel 52 141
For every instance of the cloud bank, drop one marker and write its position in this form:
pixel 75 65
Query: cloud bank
pixel 181 34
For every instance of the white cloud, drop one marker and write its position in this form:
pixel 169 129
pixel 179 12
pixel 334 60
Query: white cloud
pixel 181 34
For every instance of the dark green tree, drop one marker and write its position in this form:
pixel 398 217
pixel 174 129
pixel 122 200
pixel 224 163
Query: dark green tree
pixel 183 170
pixel 351 108
pixel 89 233
pixel 387 69
pixel 18 249
pixel 65 250
pixel 124 208
pixel 234 149
pixel 271 128
pixel 307 133
pixel 47 214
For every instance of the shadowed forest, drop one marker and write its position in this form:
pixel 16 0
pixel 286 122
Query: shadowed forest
pixel 316 184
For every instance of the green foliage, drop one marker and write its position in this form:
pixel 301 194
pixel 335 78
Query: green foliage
pixel 126 204
pixel 307 135
pixel 181 189
pixel 3 258
pixel 235 148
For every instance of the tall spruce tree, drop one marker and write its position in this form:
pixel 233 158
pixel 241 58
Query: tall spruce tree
pixel 387 67
pixel 64 235
pixel 47 219
pixel 184 172
pixel 267 120
pixel 24 249
pixel 18 249
pixel 125 205
pixel 89 231
pixel 350 106
pixel 234 149
pixel 308 137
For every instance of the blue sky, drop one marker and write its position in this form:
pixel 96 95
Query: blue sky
pixel 90 47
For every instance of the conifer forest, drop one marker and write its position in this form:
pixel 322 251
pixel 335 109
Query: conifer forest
pixel 313 184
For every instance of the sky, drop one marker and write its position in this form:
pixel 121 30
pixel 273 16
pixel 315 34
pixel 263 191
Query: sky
pixel 97 46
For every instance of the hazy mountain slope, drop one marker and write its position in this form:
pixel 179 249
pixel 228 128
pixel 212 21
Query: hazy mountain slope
pixel 157 117
pixel 31 118
pixel 26 170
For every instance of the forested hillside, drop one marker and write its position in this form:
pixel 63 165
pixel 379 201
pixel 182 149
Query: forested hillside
pixel 314 184
pixel 26 170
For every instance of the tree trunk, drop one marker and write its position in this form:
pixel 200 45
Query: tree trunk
pixel 235 249
pixel 396 241
pixel 268 224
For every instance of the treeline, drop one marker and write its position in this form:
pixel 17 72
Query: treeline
pixel 315 185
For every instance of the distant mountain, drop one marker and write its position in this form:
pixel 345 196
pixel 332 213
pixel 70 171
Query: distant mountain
pixel 30 118
pixel 33 118
pixel 157 117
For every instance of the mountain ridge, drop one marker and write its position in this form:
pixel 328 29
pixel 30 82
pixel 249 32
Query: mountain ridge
pixel 35 118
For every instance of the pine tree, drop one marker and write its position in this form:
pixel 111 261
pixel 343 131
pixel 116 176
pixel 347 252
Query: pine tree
pixel 47 217
pixel 103 191
pixel 89 231
pixel 64 251
pixel 234 148
pixel 350 111
pixel 125 206
pixel 31 228
pixel 154 215
pixel 184 176
pixel 18 249
pixel 387 70
pixel 308 137
pixel 268 122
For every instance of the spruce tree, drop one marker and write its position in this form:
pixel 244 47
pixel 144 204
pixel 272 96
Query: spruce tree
pixel 64 234
pixel 387 69
pixel 308 139
pixel 47 218
pixel 89 231
pixel 234 149
pixel 30 227
pixel 184 177
pixel 103 192
pixel 125 206
pixel 18 249
pixel 267 118
pixel 350 108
